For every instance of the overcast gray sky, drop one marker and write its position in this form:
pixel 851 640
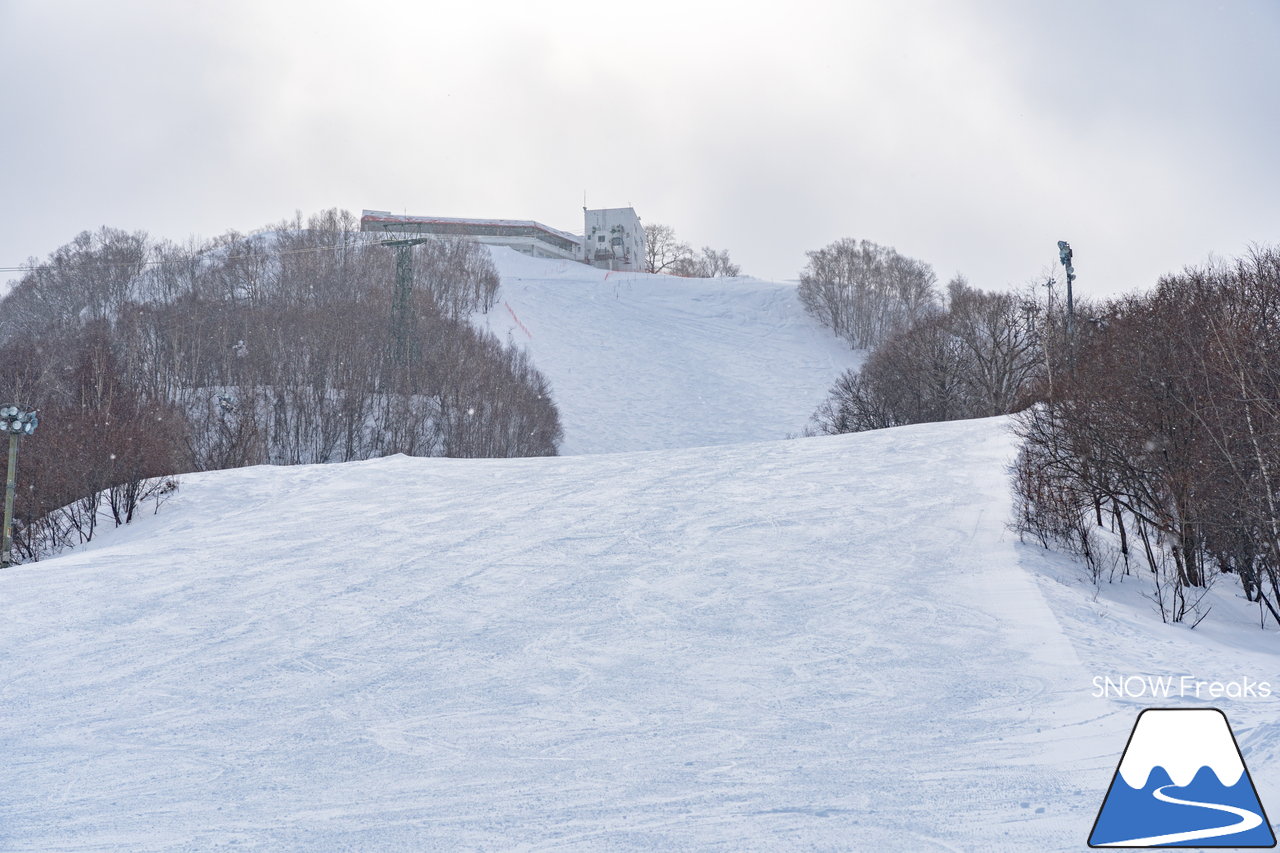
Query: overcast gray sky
pixel 972 135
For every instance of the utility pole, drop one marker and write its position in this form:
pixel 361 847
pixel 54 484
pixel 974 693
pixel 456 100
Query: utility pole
pixel 401 310
pixel 16 423
pixel 1046 337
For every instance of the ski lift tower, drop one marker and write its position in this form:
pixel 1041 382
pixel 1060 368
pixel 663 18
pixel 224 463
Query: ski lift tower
pixel 401 311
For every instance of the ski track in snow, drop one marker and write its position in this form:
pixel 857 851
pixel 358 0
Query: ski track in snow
pixel 821 644
pixel 789 645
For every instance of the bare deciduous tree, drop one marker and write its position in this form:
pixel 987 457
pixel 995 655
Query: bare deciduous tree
pixel 978 358
pixel 665 254
pixel 661 248
pixel 707 263
pixel 865 292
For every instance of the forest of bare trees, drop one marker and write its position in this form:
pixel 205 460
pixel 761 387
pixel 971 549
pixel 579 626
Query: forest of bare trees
pixel 1158 449
pixel 865 292
pixel 148 359
pixel 979 356
pixel 1149 426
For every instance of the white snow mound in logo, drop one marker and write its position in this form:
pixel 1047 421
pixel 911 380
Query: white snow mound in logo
pixel 1181 741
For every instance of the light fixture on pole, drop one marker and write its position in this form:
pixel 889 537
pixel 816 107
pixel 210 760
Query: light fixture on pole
pixel 1064 255
pixel 16 423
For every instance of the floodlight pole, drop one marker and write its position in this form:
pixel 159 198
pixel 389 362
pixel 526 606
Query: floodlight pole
pixel 10 487
pixel 15 423
pixel 1064 255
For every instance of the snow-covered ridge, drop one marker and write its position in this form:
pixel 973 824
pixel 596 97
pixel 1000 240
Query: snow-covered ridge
pixel 648 362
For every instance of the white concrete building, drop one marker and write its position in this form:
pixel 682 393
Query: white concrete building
pixel 613 239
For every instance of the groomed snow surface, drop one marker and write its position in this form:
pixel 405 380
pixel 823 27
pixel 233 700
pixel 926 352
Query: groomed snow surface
pixel 824 643
pixel 651 362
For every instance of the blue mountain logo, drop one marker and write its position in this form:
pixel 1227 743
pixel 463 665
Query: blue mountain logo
pixel 1182 782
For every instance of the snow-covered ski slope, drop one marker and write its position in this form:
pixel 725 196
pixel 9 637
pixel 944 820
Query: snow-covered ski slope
pixel 648 362
pixel 827 643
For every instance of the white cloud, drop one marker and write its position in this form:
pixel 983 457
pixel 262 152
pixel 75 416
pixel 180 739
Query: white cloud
pixel 972 135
